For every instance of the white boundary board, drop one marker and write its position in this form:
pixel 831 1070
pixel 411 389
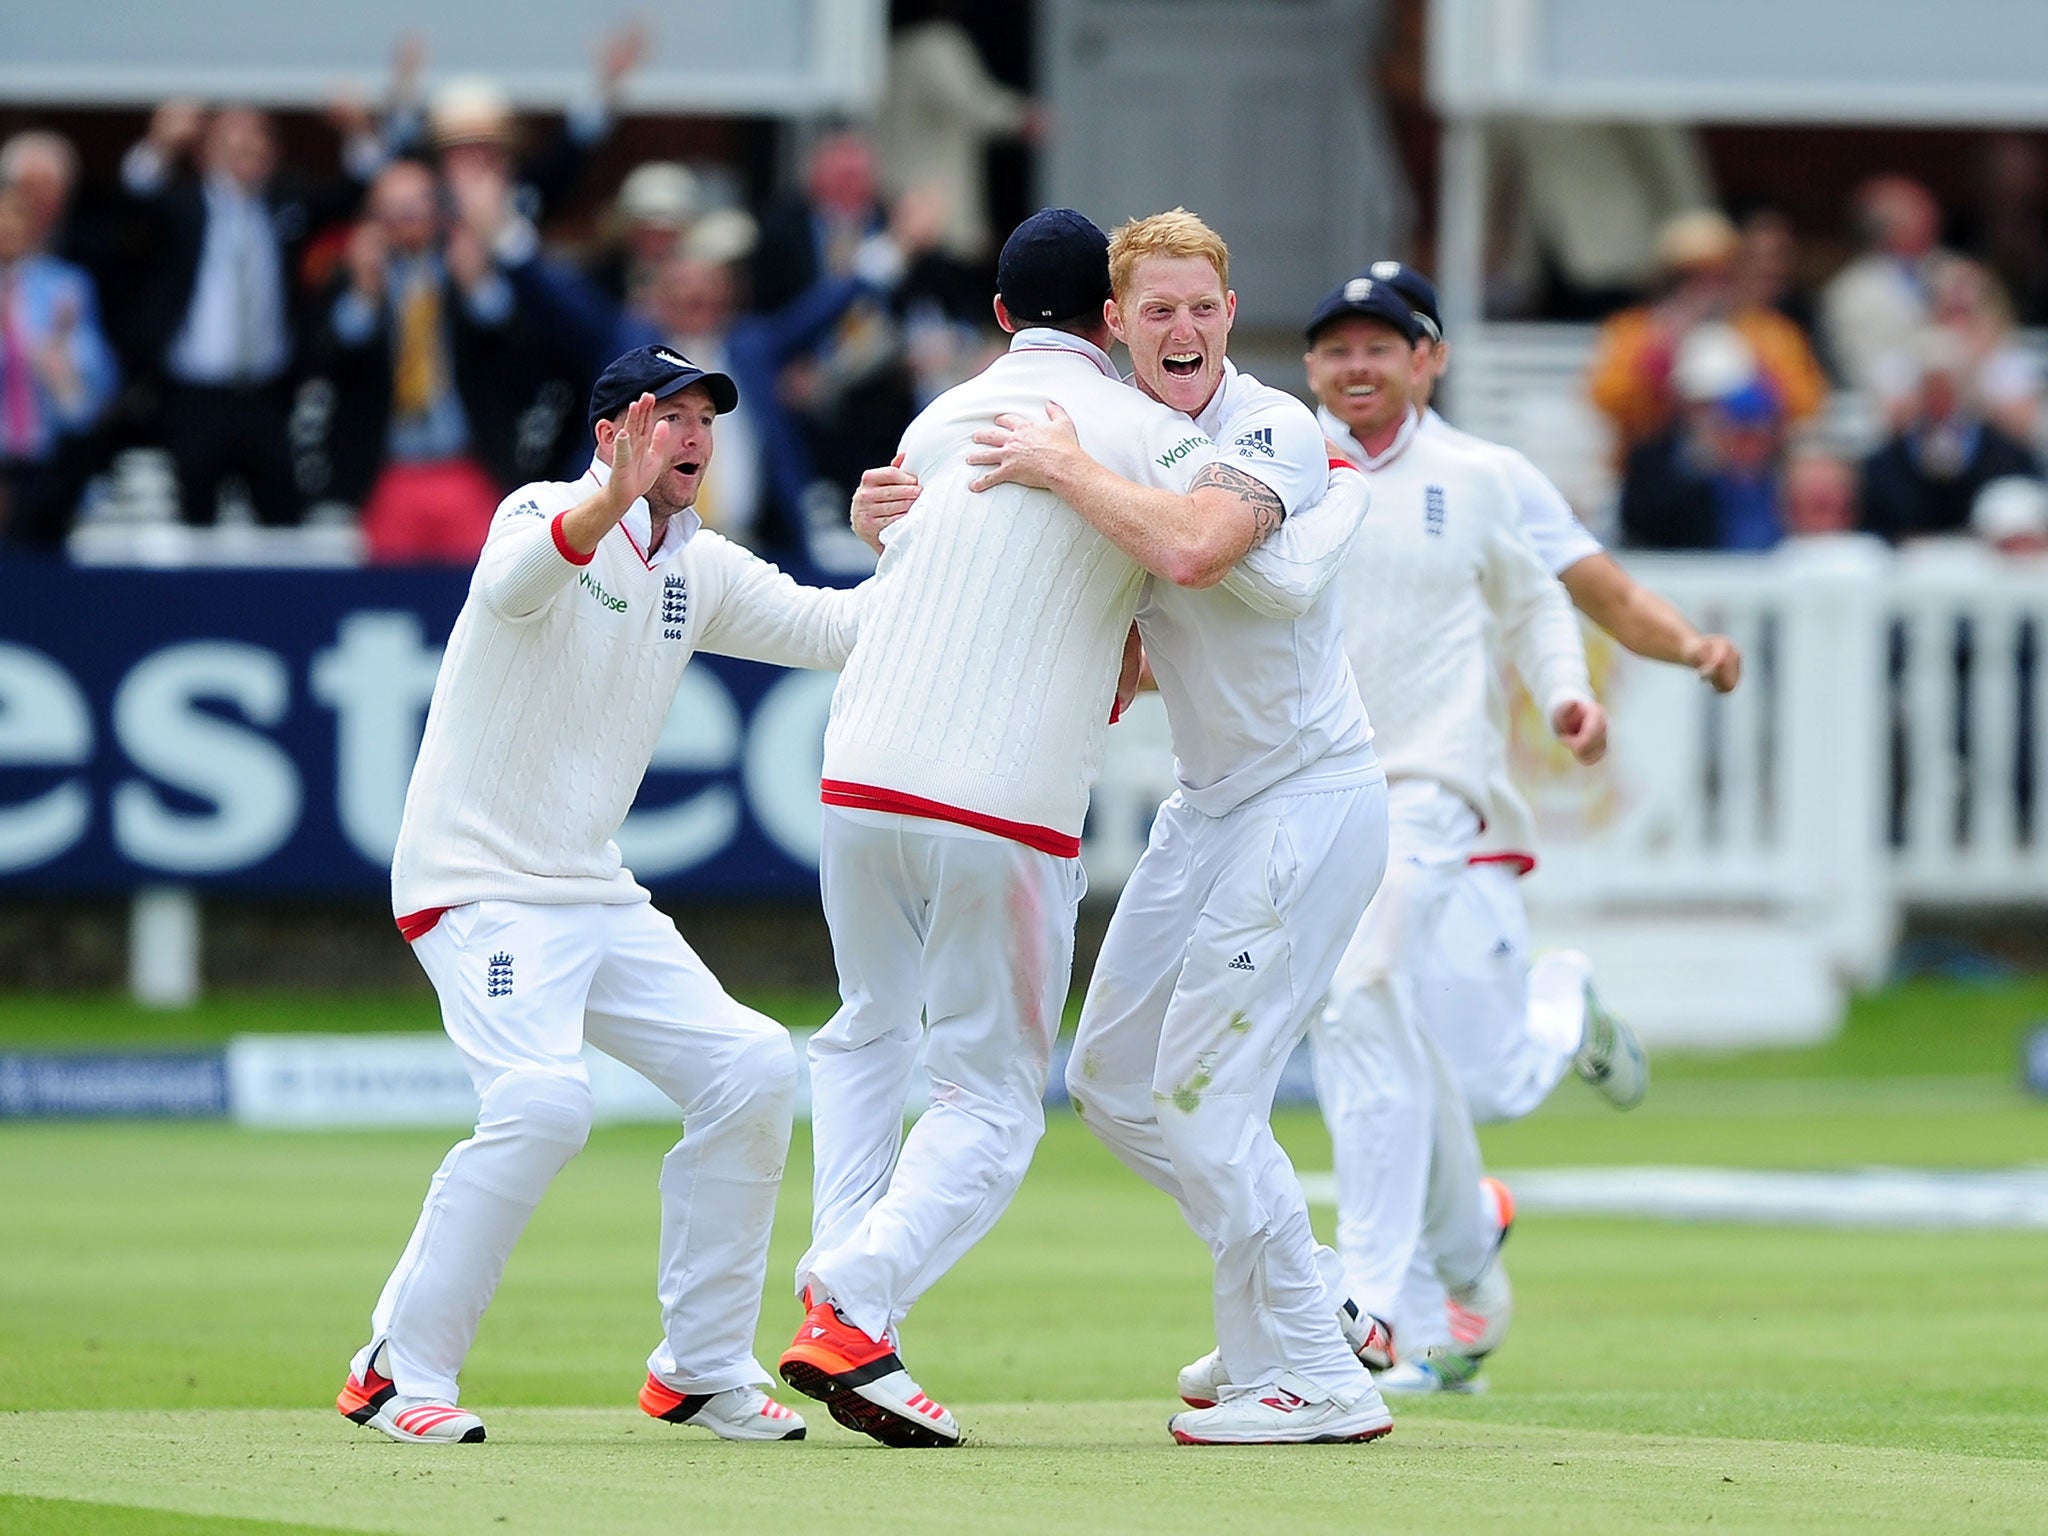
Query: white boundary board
pixel 1832 61
pixel 776 57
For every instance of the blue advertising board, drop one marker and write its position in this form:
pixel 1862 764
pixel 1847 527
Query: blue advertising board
pixel 254 730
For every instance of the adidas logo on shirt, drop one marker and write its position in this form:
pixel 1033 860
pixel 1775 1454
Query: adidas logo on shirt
pixel 1243 962
pixel 1260 440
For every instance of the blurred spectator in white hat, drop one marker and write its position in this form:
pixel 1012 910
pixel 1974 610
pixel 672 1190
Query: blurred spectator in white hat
pixel 1711 480
pixel 2011 515
pixel 1875 306
pixel 1926 478
pixel 646 225
pixel 1631 376
pixel 470 118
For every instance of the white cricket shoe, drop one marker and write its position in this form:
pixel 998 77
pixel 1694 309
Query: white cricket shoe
pixel 1371 1339
pixel 372 1401
pixel 1285 1412
pixel 738 1413
pixel 1439 1370
pixel 1479 1313
pixel 1610 1057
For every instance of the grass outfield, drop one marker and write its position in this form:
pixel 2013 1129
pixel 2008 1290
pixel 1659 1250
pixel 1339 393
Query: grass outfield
pixel 177 1304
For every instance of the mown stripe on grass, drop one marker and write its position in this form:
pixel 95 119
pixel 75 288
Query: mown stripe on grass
pixel 83 1517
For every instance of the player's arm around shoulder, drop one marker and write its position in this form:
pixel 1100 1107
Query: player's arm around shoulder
pixel 755 610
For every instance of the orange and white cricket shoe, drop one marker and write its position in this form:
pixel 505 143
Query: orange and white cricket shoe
pixel 862 1383
pixel 739 1413
pixel 371 1400
pixel 1479 1313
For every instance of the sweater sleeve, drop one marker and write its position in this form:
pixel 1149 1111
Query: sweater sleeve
pixel 1537 624
pixel 526 561
pixel 759 613
pixel 1284 576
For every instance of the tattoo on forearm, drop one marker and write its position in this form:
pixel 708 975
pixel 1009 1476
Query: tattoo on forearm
pixel 1264 503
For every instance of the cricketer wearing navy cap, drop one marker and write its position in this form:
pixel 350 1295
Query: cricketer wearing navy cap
pixel 658 371
pixel 1054 267
pixel 1367 298
pixel 1414 287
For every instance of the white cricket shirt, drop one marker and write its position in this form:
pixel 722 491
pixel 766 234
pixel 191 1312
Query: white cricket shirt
pixel 1442 566
pixel 1561 541
pixel 981 689
pixel 555 684
pixel 1256 698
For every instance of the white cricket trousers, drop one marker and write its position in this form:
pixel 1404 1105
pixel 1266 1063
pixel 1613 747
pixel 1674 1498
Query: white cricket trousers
pixel 1221 947
pixel 522 986
pixel 1508 1027
pixel 1407 1157
pixel 974 933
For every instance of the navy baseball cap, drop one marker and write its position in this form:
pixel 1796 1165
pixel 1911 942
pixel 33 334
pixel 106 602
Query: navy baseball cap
pixel 658 371
pixel 1054 266
pixel 1370 298
pixel 1416 288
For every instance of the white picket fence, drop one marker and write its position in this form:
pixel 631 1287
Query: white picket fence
pixel 1738 863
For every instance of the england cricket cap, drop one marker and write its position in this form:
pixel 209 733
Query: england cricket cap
pixel 1416 288
pixel 1054 266
pixel 1370 298
pixel 657 371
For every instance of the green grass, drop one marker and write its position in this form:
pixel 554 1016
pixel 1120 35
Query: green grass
pixel 177 1304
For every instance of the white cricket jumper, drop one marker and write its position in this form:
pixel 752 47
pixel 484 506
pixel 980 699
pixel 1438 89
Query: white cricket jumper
pixel 555 684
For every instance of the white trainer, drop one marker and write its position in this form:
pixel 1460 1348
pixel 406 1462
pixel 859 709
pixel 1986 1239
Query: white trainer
pixel 1371 1339
pixel 1439 1370
pixel 738 1413
pixel 1285 1412
pixel 1479 1313
pixel 372 1401
pixel 1610 1057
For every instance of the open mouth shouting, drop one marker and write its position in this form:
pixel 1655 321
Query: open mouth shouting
pixel 1181 365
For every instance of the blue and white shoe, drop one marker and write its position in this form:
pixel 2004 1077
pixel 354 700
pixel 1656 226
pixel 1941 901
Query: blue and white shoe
pixel 1610 1057
pixel 1439 1370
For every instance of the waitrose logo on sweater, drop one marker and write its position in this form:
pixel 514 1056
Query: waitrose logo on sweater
pixel 595 588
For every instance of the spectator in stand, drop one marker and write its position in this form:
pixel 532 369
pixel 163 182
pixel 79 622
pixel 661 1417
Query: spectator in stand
pixel 762 473
pixel 853 395
pixel 940 112
pixel 1819 495
pixel 42 167
pixel 470 124
pixel 647 224
pixel 57 376
pixel 218 314
pixel 1712 481
pixel 1927 477
pixel 1767 270
pixel 2005 377
pixel 1631 377
pixel 425 349
pixel 1874 307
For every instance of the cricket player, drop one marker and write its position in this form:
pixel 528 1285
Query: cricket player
pixel 1509 1026
pixel 964 737
pixel 588 601
pixel 1259 865
pixel 1441 568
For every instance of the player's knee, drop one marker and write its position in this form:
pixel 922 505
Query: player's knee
pixel 541 1105
pixel 1119 1115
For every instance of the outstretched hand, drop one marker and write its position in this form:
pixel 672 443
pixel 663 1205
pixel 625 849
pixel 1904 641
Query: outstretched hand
pixel 1019 451
pixel 1717 660
pixel 1582 726
pixel 641 451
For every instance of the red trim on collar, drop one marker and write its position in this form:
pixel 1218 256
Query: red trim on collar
pixel 562 545
pixel 1522 863
pixel 636 545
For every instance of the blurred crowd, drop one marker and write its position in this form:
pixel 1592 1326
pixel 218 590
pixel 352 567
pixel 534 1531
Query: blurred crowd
pixel 1897 400
pixel 398 344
